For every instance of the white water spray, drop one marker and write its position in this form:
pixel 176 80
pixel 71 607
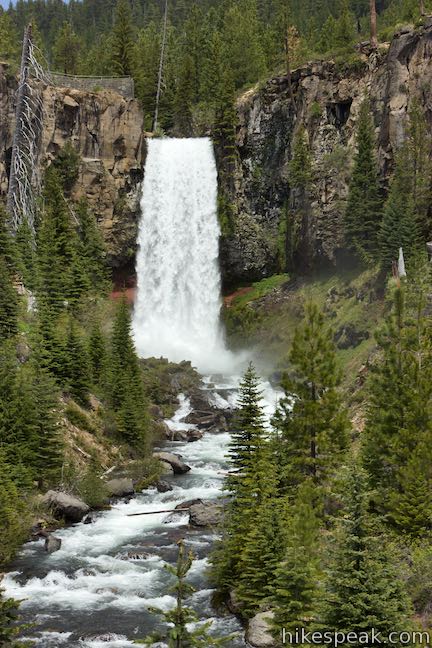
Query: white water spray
pixel 178 300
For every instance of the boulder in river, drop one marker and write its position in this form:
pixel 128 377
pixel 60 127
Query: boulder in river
pixel 52 544
pixel 206 513
pixel 120 487
pixel 258 632
pixel 163 486
pixel 178 466
pixel 194 435
pixel 64 506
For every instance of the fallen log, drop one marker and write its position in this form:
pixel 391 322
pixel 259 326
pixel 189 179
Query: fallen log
pixel 156 512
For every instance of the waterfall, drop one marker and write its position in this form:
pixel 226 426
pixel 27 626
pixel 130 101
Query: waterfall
pixel 178 299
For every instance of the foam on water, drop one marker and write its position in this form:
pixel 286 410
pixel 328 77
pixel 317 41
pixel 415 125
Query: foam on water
pixel 178 301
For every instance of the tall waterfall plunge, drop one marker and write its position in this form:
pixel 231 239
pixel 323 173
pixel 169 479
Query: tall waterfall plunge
pixel 178 300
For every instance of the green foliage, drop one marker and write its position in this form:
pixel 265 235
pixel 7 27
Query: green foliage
pixel 9 40
pixel 399 225
pixel 8 303
pixel 398 428
pixel 179 619
pixel 300 170
pixel 123 39
pixel 66 50
pixel 311 419
pixel 364 590
pixel 9 623
pixel 126 387
pixel 91 488
pixel 364 210
pixel 67 164
pixel 92 251
pixel 14 516
pixel 297 592
pixel 76 370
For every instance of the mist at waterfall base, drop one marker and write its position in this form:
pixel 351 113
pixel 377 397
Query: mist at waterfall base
pixel 96 590
pixel 177 310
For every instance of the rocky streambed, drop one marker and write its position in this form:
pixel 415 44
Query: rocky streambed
pixel 96 589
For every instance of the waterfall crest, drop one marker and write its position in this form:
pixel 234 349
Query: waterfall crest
pixel 178 300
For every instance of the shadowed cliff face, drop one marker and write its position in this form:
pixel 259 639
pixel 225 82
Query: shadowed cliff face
pixel 328 99
pixel 107 131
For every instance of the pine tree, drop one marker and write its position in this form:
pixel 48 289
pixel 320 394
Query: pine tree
pixel 7 243
pixel 126 385
pixel 66 50
pixel 399 226
pixel 364 591
pixel 364 211
pixel 13 514
pixel 9 39
pixel 97 354
pixel 8 303
pixel 296 587
pixel 123 39
pixel 26 256
pixel 399 401
pixel 92 249
pixel 9 626
pixel 183 102
pixel 76 369
pixel 311 419
pixel 419 145
pixel 181 617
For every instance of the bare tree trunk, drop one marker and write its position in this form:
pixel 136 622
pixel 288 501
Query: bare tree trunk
pixel 288 64
pixel 23 90
pixel 161 63
pixel 373 25
pixel 422 8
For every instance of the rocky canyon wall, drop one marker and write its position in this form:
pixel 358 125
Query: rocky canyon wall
pixel 106 129
pixel 328 97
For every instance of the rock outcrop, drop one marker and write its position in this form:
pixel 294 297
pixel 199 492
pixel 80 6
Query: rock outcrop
pixel 258 632
pixel 328 99
pixel 121 487
pixel 178 466
pixel 205 514
pixel 106 129
pixel 65 506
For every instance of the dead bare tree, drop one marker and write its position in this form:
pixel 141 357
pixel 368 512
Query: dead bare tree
pixel 373 25
pixel 161 64
pixel 288 58
pixel 24 176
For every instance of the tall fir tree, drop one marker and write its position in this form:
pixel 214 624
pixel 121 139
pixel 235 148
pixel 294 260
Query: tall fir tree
pixel 297 591
pixel 364 207
pixel 123 39
pixel 364 590
pixel 66 50
pixel 399 227
pixel 311 419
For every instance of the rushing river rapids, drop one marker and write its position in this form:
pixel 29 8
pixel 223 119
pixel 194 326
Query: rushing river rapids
pixel 91 588
pixel 97 589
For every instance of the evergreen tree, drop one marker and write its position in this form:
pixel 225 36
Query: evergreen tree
pixel 8 303
pixel 364 591
pixel 419 145
pixel 296 588
pixel 66 50
pixel 364 211
pixel 14 517
pixel 311 419
pixel 399 226
pixel 398 426
pixel 7 243
pixel 9 39
pixel 97 354
pixel 123 39
pixel 126 386
pixel 27 257
pixel 76 368
pixel 242 42
pixel 180 635
pixel 183 101
pixel 9 627
pixel 91 250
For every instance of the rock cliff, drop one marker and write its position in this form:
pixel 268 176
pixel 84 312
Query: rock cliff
pixel 107 131
pixel 328 97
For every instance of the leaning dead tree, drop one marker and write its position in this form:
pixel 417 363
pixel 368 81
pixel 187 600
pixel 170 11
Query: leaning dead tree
pixel 161 65
pixel 24 176
pixel 373 25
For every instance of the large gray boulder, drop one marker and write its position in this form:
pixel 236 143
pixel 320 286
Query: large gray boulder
pixel 121 487
pixel 52 544
pixel 178 466
pixel 206 513
pixel 64 506
pixel 258 632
